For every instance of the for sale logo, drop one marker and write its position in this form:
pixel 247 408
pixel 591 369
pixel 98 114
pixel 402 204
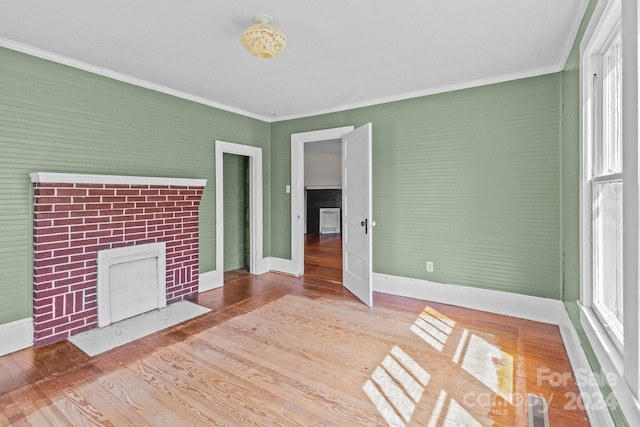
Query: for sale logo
pixel 585 379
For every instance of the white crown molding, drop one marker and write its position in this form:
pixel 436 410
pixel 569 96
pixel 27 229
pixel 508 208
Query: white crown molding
pixel 60 59
pixel 16 335
pixel 40 53
pixel 573 32
pixel 426 92
pixel 74 178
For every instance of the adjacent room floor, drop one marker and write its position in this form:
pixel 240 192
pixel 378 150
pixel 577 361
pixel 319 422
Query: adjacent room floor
pixel 279 350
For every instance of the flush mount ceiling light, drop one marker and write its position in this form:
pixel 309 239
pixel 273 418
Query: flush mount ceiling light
pixel 263 39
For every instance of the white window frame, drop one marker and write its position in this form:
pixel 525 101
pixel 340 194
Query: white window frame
pixel 592 122
pixel 606 34
pixel 621 364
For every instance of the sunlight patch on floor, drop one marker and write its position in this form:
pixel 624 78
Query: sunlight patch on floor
pixel 382 404
pixel 457 416
pixel 393 391
pixel 491 366
pixel 411 365
pixel 433 327
pixel 396 386
pixel 461 343
pixel 399 383
pixel 437 409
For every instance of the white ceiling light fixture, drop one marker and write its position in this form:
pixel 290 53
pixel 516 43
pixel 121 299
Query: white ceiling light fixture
pixel 263 39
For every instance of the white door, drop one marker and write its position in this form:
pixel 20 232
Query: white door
pixel 356 213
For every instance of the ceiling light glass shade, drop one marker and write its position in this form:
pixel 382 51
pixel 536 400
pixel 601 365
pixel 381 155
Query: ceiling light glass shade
pixel 263 39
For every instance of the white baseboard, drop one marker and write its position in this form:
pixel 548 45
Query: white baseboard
pixel 215 279
pixel 281 265
pixel 263 266
pixel 16 335
pixel 210 280
pixel 538 309
pixel 611 363
pixel 598 414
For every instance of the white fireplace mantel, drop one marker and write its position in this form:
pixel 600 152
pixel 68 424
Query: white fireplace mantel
pixel 74 178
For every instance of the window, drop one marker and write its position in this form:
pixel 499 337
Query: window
pixel 603 155
pixel 609 195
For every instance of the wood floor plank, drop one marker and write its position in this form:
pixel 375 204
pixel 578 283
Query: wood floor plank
pixel 325 390
pixel 171 394
pixel 105 395
pixel 202 395
pixel 268 387
pixel 242 400
pixel 9 412
pixel 31 415
pixel 282 350
pixel 135 393
pixel 38 407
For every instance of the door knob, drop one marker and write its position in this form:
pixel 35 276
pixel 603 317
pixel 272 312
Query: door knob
pixel 365 224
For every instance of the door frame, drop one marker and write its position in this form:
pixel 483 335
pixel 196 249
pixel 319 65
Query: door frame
pixel 256 259
pixel 297 188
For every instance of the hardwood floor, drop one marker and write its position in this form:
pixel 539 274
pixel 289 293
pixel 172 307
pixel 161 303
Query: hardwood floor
pixel 280 350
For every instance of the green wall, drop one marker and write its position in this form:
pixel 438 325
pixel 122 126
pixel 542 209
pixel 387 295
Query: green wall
pixel 56 118
pixel 571 159
pixel 466 179
pixel 236 193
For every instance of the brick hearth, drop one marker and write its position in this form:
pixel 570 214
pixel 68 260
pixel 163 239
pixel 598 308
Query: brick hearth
pixel 75 220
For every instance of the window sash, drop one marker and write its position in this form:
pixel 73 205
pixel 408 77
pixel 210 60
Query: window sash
pixel 607 300
pixel 607 149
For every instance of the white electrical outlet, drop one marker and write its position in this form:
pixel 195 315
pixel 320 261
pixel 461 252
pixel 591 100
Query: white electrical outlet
pixel 430 266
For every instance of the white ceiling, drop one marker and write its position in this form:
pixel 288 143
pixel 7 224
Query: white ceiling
pixel 341 53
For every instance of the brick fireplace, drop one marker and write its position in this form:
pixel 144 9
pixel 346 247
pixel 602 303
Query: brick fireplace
pixel 76 216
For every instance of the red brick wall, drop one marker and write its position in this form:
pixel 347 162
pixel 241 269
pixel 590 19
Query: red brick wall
pixel 74 221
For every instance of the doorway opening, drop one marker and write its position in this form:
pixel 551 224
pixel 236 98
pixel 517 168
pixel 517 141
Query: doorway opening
pixel 236 212
pixel 251 158
pixel 298 190
pixel 323 187
pixel 356 224
pixel 323 207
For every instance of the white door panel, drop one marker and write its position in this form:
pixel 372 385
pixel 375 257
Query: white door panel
pixel 356 211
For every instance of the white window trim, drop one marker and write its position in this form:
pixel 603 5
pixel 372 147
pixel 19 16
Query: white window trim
pixel 608 22
pixel 622 365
